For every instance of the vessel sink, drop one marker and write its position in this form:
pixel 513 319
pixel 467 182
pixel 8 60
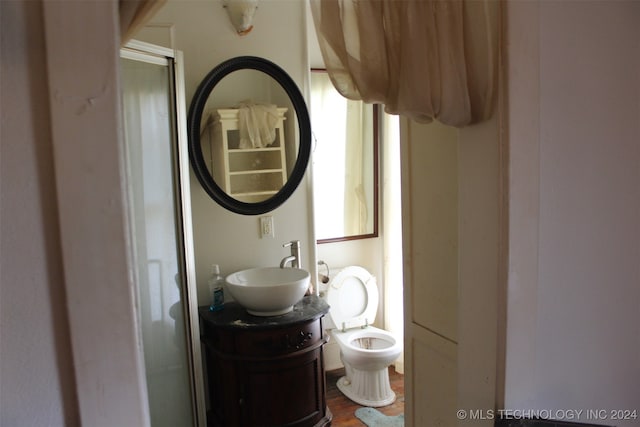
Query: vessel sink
pixel 268 291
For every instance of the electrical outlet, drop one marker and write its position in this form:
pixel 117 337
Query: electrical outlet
pixel 266 227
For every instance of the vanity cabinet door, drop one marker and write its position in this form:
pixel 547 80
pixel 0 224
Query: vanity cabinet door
pixel 288 391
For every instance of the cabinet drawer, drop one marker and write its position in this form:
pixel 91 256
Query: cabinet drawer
pixel 279 341
pixel 252 160
pixel 256 181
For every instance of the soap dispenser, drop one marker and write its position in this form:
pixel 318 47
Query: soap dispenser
pixel 216 291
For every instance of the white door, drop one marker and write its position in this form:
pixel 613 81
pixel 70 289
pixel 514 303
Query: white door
pixel 430 252
pixel 451 246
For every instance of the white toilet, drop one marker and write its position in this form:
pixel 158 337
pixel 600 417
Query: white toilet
pixel 366 352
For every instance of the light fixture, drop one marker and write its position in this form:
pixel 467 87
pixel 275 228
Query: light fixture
pixel 241 14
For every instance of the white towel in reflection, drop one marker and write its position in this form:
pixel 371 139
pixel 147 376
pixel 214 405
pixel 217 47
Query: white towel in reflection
pixel 257 124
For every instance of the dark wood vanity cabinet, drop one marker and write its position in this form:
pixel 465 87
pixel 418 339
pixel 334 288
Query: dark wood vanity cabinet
pixel 265 371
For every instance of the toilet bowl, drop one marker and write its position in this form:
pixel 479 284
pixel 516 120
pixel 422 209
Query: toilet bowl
pixel 366 351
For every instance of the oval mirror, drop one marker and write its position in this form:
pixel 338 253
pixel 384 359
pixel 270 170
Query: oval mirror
pixel 249 135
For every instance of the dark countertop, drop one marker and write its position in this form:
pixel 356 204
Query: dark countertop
pixel 233 315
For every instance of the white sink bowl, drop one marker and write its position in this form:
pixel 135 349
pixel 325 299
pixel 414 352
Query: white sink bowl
pixel 268 291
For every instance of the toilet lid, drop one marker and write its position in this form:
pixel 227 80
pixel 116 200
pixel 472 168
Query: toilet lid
pixel 353 298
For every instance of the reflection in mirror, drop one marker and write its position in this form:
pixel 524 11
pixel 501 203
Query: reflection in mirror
pixel 248 135
pixel 345 163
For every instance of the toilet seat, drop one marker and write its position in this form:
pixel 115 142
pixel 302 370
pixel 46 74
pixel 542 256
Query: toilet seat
pixel 353 298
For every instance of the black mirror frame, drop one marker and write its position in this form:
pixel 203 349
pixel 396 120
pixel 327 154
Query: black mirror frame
pixel 195 149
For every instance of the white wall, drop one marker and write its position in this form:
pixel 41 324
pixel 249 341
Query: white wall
pixel 37 380
pixel 66 295
pixel 205 35
pixel 36 363
pixel 203 32
pixel 573 328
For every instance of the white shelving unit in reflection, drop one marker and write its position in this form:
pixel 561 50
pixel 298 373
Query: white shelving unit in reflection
pixel 246 174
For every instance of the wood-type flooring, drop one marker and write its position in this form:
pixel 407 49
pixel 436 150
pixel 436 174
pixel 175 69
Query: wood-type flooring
pixel 343 409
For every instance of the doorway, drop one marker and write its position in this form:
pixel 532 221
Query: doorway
pixel 357 204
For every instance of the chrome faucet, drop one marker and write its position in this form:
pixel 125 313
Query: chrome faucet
pixel 294 258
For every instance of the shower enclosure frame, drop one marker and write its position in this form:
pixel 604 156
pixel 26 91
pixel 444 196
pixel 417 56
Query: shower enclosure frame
pixel 173 59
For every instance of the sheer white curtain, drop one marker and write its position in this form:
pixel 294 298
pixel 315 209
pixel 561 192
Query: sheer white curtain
pixel 339 127
pixel 424 59
pixel 356 213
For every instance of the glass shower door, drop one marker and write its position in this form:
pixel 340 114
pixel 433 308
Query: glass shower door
pixel 156 218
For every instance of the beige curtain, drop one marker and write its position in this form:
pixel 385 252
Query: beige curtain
pixel 425 59
pixel 134 14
